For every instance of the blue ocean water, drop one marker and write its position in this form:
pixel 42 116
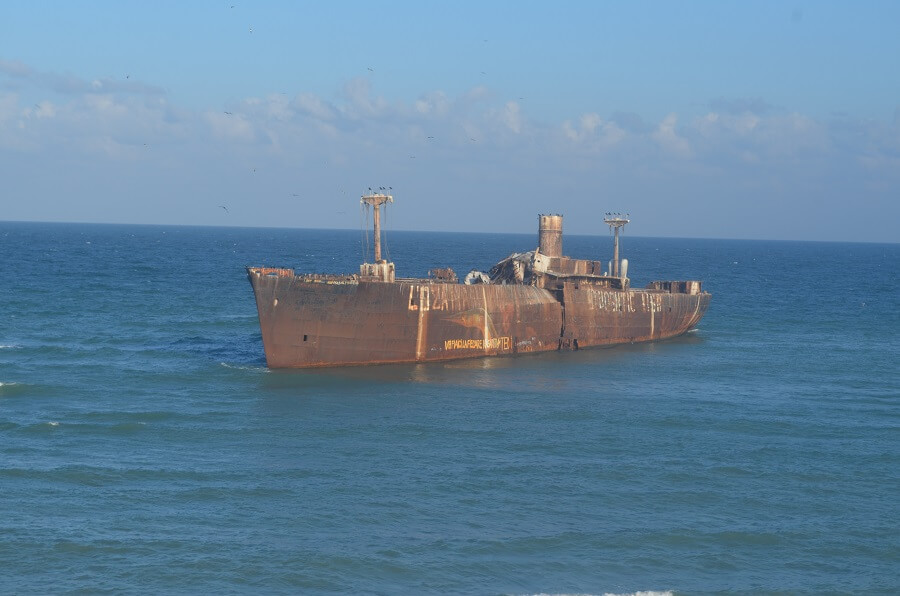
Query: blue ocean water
pixel 145 447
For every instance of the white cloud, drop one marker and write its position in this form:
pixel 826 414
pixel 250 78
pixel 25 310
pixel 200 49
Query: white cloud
pixel 667 137
pixel 229 126
pixel 511 117
pixel 44 109
pixel 432 104
pixel 360 103
pixel 595 130
pixel 71 85
pixel 9 106
pixel 310 104
pixel 476 94
pixel 590 122
pixel 713 123
pixel 106 106
pixel 758 138
pixel 363 132
pixel 472 133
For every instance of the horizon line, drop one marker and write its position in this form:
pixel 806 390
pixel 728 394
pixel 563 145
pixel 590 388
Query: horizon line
pixel 263 227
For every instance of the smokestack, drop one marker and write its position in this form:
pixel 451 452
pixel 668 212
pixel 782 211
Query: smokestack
pixel 550 235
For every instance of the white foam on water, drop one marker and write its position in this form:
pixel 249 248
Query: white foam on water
pixel 644 593
pixel 245 367
pixel 53 423
pixel 638 593
pixel 8 346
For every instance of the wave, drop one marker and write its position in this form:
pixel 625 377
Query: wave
pixel 238 317
pixel 9 347
pixel 33 428
pixel 125 428
pixel 12 388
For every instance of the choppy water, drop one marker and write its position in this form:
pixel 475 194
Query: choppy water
pixel 145 447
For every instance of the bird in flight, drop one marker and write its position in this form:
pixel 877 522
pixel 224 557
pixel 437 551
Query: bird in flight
pixel 224 207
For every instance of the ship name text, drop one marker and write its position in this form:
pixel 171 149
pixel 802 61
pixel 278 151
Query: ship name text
pixel 491 343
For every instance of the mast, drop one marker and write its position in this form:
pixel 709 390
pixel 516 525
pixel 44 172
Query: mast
pixel 616 221
pixel 380 270
pixel 376 200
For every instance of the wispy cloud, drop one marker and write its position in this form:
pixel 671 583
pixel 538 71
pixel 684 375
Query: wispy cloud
pixel 739 105
pixel 24 76
pixel 468 136
pixel 748 130
pixel 434 103
pixel 511 116
pixel 757 138
pixel 230 126
pixel 313 106
pixel 14 68
pixel 595 131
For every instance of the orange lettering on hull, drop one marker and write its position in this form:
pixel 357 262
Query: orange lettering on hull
pixel 494 343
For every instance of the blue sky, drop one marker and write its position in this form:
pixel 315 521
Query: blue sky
pixel 700 119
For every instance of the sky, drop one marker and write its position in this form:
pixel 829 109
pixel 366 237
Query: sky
pixel 703 119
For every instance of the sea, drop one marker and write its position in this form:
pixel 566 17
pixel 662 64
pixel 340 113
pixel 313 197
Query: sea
pixel 146 448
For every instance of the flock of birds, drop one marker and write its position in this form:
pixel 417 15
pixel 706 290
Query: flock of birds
pixel 616 220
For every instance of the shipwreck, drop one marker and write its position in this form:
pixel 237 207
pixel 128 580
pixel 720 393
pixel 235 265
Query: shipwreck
pixel 534 301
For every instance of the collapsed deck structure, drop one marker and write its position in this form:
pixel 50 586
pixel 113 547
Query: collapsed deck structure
pixel 533 301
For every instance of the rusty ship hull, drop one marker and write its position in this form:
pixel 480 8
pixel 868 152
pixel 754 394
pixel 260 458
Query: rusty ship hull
pixel 308 322
pixel 313 321
pixel 534 301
